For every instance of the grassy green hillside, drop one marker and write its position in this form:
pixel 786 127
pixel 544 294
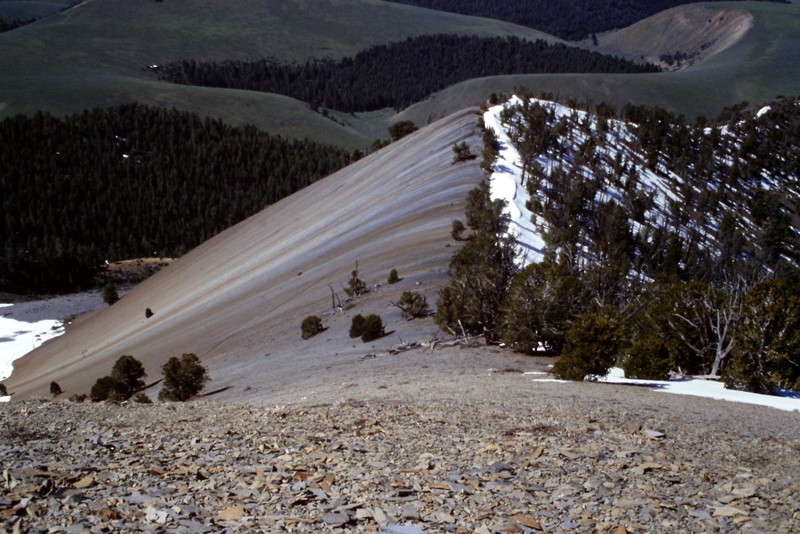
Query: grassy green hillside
pixel 94 54
pixel 31 9
pixel 763 64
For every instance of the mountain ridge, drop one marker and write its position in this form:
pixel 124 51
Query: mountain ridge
pixel 244 293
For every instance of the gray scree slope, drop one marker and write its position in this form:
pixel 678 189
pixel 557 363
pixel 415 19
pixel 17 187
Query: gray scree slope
pixel 237 301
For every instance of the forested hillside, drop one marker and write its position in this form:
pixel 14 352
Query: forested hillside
pixel 133 181
pixel 398 74
pixel 670 245
pixel 568 19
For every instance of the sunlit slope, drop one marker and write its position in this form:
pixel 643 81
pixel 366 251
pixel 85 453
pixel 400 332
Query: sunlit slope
pixel 763 63
pixel 679 37
pixel 237 301
pixel 95 54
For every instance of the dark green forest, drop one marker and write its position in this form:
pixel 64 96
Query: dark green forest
pixel 396 75
pixel 569 19
pixel 133 181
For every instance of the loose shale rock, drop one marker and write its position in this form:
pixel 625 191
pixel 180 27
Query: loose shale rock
pixel 493 461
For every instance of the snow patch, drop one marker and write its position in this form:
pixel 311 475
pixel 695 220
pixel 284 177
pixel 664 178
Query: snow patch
pixel 17 338
pixel 506 184
pixel 788 400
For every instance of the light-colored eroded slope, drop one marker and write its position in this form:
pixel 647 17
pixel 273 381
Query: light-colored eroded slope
pixel 679 37
pixel 237 301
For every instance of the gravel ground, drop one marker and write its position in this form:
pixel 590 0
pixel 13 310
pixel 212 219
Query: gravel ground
pixel 406 447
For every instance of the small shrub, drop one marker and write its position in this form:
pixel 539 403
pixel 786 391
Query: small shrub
pixel 413 305
pixel 142 398
pixel 591 346
pixel 103 389
pixel 110 295
pixel 128 373
pixel 148 313
pixel 457 232
pixel 55 389
pixel 3 391
pixel 373 328
pixel 400 129
pixel 184 378
pixel 357 326
pixel 355 286
pixel 461 152
pixel 648 359
pixel 311 326
pixel 78 397
pixel 393 277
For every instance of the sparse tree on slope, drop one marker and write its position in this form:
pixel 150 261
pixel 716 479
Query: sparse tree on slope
pixel 184 378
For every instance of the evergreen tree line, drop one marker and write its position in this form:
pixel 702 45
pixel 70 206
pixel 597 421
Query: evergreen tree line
pixel 746 330
pixel 674 293
pixel 569 19
pixel 736 197
pixel 396 74
pixel 133 181
pixel 8 25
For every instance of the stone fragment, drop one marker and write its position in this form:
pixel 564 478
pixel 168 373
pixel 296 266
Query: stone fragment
pixel 380 516
pixel 402 529
pixel 728 511
pixel 527 521
pixel 107 514
pixel 506 527
pixel 85 482
pixel 232 513
pixel 336 518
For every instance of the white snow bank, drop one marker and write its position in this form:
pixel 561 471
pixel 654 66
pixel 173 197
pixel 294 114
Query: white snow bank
pixel 17 338
pixel 789 401
pixel 506 184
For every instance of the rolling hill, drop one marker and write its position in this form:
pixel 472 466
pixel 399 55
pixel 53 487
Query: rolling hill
pixel 94 55
pixel 763 63
pixel 237 301
pixel 64 71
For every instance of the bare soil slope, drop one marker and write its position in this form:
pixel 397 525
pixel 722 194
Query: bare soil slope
pixel 237 301
pixel 687 34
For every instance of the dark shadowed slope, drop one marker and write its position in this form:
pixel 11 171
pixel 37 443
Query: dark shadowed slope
pixel 237 301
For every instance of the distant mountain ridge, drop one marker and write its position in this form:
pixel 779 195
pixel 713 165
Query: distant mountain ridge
pixel 567 19
pixel 65 72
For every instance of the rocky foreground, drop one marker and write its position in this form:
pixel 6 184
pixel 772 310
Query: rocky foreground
pixel 506 455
